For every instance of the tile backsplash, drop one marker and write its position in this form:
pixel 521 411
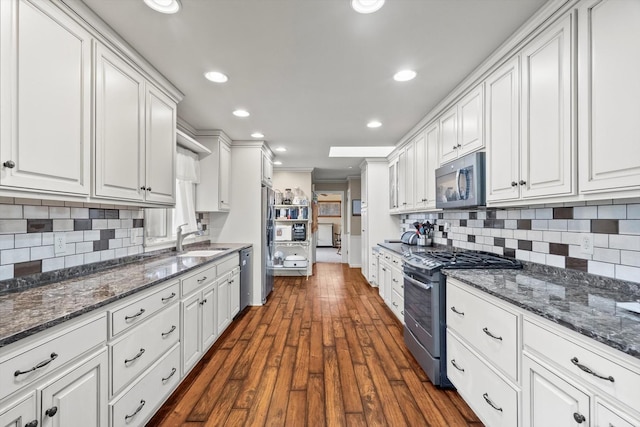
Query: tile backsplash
pixel 549 234
pixel 93 232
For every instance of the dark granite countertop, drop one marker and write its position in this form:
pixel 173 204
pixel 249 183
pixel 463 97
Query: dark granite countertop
pixel 35 309
pixel 583 302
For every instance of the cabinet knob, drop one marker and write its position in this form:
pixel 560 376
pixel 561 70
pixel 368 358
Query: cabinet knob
pixel 514 184
pixel 9 164
pixel 458 146
pixel 579 417
pixel 204 301
pixel 143 188
pixel 148 188
pixel 33 423
pixel 51 411
pixel 454 147
pixel 522 182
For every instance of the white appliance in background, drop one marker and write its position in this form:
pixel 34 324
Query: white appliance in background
pixel 325 235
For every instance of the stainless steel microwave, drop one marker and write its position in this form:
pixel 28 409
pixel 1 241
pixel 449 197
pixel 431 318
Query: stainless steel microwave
pixel 461 183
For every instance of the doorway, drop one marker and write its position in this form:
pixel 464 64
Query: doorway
pixel 330 233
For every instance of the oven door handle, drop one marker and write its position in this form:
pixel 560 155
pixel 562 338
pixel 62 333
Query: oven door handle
pixel 417 283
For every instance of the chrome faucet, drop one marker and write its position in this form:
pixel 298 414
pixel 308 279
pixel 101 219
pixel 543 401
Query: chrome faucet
pixel 180 237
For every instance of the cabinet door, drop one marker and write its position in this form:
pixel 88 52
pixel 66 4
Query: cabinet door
pixel 223 304
pixel 209 304
pixel 409 171
pixel 21 413
pixel 79 398
pixel 119 153
pixel 191 331
pixel 402 179
pixel 608 93
pixel 160 147
pixel 432 135
pixel 267 170
pixel 420 175
pixel 470 128
pixel 224 179
pixel 449 135
pixel 503 132
pixel 608 416
pixel 548 400
pixel 393 185
pixel 363 186
pixel 547 153
pixel 234 295
pixel 45 81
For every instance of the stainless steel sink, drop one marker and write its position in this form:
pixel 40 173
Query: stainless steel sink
pixel 203 253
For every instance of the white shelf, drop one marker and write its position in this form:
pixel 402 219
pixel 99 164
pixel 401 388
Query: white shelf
pixel 291 220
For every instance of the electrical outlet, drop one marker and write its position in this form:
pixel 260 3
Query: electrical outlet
pixel 586 244
pixel 59 243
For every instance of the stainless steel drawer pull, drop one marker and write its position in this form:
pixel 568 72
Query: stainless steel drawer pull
pixel 493 405
pixel 173 371
pixel 588 370
pixel 165 299
pixel 173 328
pixel 579 418
pixel 140 313
pixel 455 365
pixel 453 308
pixel 486 331
pixel 138 409
pixel 202 280
pixel 140 353
pixel 38 366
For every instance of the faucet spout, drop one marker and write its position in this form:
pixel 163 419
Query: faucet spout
pixel 180 236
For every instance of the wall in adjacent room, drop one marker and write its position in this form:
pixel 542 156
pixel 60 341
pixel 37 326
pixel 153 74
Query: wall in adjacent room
pixel 549 234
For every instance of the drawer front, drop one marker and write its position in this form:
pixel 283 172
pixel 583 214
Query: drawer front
pixel 50 355
pixel 199 279
pixel 397 305
pixel 487 327
pixel 397 281
pixel 606 417
pixel 396 261
pixel 228 264
pixel 144 345
pixel 575 359
pixel 152 388
pixel 386 255
pixel 495 402
pixel 125 317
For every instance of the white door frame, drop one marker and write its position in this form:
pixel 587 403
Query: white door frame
pixel 343 232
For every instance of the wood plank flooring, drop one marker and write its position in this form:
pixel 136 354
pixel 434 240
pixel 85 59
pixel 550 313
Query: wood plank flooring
pixel 321 352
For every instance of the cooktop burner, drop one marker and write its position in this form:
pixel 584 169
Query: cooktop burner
pixel 435 260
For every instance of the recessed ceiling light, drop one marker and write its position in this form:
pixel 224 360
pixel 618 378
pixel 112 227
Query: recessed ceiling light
pixel 404 75
pixel 216 76
pixel 257 135
pixel 281 149
pixel 374 124
pixel 366 6
pixel 277 163
pixel 164 6
pixel 241 113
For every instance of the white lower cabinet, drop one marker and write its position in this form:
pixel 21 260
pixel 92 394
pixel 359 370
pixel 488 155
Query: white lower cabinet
pixel 20 412
pixel 223 319
pixel 550 400
pixel 607 416
pixel 391 282
pixel 234 293
pixel 199 321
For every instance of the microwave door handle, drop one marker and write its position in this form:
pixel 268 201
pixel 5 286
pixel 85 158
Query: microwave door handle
pixel 416 283
pixel 462 195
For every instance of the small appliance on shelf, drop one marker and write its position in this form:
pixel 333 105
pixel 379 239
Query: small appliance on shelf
pixel 299 232
pixel 295 261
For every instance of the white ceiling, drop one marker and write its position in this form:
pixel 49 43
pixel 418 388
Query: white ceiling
pixel 312 73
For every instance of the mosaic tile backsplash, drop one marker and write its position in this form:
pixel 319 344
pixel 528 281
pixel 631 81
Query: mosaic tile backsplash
pixel 550 234
pixel 93 232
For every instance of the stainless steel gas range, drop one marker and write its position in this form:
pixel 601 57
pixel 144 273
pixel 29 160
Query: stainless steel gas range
pixel 425 299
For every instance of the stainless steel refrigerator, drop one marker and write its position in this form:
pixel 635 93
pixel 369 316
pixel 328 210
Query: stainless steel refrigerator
pixel 268 229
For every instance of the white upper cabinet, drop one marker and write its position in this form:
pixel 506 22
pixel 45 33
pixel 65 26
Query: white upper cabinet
pixel 548 148
pixel 405 177
pixel 608 93
pixel 267 169
pixel 393 185
pixel 426 148
pixel 503 132
pixel 213 192
pixel 135 134
pixel 461 126
pixel 45 81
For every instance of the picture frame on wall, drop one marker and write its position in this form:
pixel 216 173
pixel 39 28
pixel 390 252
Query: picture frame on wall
pixel 356 207
pixel 331 209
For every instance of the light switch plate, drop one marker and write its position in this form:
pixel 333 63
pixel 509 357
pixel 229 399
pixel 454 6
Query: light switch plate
pixel 59 243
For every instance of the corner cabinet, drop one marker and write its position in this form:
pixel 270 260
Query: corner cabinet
pixel 45 81
pixel 213 193
pixel 608 93
pixel 135 134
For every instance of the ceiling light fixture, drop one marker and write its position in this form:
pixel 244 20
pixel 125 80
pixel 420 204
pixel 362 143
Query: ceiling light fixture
pixel 241 113
pixel 257 135
pixel 404 75
pixel 374 124
pixel 216 77
pixel 164 6
pixel 277 163
pixel 281 149
pixel 366 6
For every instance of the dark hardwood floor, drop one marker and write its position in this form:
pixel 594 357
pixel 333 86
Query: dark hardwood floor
pixel 322 352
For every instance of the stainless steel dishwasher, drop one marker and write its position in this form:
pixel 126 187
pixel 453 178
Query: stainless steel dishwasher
pixel 246 277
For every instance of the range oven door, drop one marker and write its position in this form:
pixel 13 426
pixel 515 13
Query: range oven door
pixel 421 303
